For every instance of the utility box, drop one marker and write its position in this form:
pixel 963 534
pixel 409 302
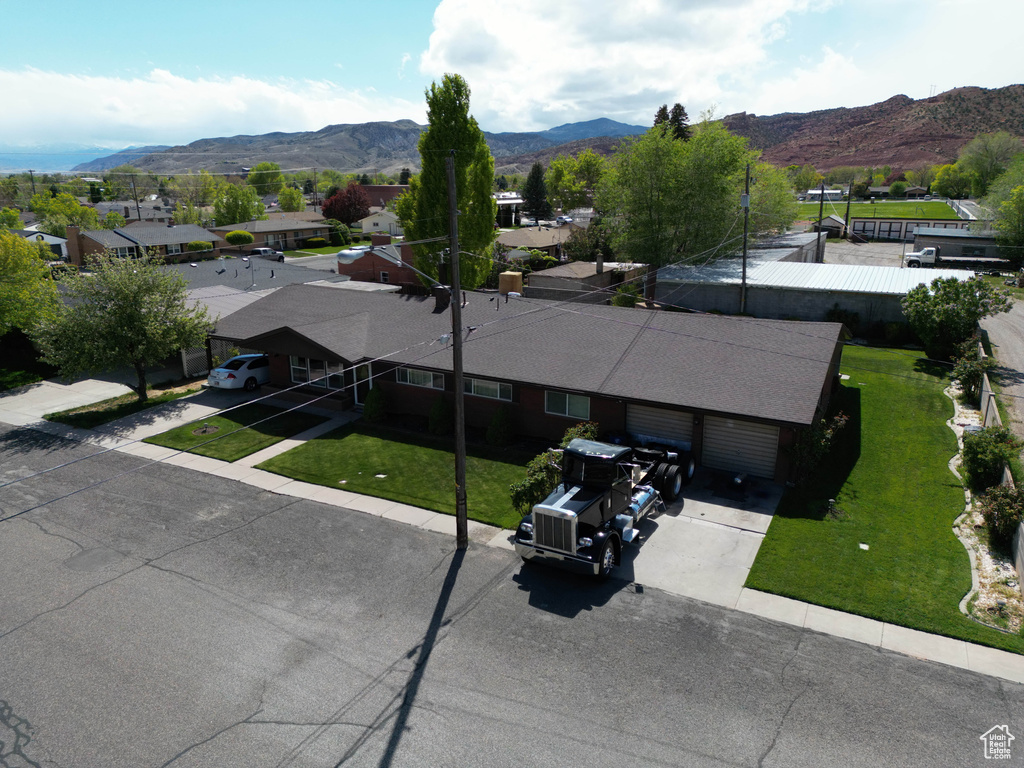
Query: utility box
pixel 510 282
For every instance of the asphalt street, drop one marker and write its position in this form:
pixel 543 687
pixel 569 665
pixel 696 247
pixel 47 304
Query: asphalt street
pixel 169 617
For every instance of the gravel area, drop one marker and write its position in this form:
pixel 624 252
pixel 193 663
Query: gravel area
pixel 868 254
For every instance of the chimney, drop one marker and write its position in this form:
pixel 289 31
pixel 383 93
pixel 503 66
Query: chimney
pixel 442 297
pixel 74 246
pixel 600 263
pixel 380 239
pixel 127 213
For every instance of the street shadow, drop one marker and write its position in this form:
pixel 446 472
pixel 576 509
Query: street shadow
pixel 410 690
pixel 25 440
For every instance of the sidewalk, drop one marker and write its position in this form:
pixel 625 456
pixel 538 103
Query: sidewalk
pixel 24 407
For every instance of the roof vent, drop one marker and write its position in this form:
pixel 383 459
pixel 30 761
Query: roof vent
pixel 442 297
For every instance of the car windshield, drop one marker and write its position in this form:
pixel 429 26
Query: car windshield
pixel 234 365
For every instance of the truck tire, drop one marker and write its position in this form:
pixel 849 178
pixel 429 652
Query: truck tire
pixel 606 562
pixel 687 466
pixel 658 479
pixel 914 264
pixel 672 484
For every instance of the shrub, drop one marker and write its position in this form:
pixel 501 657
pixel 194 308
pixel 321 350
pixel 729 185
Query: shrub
pixel 813 444
pixel 375 406
pixel 198 245
pixel 970 368
pixel 839 315
pixel 543 473
pixel 239 237
pixel 626 296
pixel 985 454
pixel 315 242
pixel 442 417
pixel 1003 509
pixel 502 429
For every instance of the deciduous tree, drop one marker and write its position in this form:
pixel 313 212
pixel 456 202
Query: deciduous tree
pixel 125 312
pixel 236 205
pixel 26 290
pixel 197 189
pixel 63 211
pixel 291 200
pixel 1009 223
pixel 952 181
pixel 572 181
pixel 423 210
pixel 947 312
pixel 9 219
pixel 348 205
pixel 266 178
pixel 986 156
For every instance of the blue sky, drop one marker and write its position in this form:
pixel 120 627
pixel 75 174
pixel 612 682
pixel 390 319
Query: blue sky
pixel 115 74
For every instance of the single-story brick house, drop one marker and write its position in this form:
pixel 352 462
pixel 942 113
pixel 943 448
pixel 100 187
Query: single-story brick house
pixel 279 231
pixel 385 263
pixel 736 391
pixel 170 241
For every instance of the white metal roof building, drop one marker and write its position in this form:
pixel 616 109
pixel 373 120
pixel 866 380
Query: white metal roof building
pixel 788 290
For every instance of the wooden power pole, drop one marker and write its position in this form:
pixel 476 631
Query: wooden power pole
pixel 461 515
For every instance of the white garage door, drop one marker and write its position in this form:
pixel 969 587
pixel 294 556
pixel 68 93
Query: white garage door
pixel 740 446
pixel 672 427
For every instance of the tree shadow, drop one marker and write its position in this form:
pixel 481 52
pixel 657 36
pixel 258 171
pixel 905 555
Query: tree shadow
pixel 810 500
pixel 22 440
pixel 937 368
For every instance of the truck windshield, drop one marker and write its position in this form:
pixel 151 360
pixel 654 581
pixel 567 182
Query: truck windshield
pixel 592 472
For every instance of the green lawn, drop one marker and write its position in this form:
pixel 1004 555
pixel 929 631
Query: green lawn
pixel 314 251
pixel 903 209
pixel 418 469
pixel 20 364
pixel 997 282
pixel 231 442
pixel 91 416
pixel 888 474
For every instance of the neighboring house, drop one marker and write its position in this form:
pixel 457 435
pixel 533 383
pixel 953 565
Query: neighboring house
pixel 381 195
pixel 381 221
pixel 380 262
pixel 881 228
pixel 509 204
pixel 58 245
pixel 280 231
pixel 737 391
pixel 546 239
pixel 307 215
pixel 585 281
pixel 960 242
pixel 148 212
pixel 170 241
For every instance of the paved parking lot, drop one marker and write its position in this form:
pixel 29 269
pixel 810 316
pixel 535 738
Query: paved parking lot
pixel 867 254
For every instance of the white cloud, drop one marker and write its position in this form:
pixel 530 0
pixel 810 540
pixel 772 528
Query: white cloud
pixel 533 64
pixel 166 108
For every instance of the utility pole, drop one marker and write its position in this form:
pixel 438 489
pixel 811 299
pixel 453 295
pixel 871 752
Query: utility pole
pixel 745 204
pixel 316 194
pixel 31 175
pixel 135 195
pixel 461 514
pixel 821 213
pixel 849 199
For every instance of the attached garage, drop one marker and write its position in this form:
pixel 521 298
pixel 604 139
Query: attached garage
pixel 740 446
pixel 662 424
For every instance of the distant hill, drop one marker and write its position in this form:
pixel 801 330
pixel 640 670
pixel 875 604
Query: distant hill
pixel 362 147
pixel 130 156
pixel 900 131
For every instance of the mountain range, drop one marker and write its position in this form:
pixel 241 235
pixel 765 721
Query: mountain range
pixel 901 132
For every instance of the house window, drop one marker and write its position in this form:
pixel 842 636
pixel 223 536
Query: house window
pixel 419 378
pixel 496 390
pixel 173 248
pixel 335 376
pixel 124 252
pixel 564 404
pixel 384 277
pixel 300 369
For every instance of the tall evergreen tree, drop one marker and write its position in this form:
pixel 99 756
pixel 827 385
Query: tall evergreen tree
pixel 535 194
pixel 679 121
pixel 423 210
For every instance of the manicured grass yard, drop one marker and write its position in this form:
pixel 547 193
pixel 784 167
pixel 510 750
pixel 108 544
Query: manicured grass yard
pixel 105 411
pixel 888 474
pixel 312 251
pixel 903 209
pixel 231 442
pixel 419 469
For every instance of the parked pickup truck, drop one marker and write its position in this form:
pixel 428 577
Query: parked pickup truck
pixel 931 256
pixel 605 491
pixel 267 253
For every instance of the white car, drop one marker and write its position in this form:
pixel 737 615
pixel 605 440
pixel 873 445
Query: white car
pixel 241 372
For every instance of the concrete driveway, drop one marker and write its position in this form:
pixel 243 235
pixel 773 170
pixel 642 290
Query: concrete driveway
pixel 706 542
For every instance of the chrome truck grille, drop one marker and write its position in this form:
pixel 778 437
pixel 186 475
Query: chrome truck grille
pixel 554 532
